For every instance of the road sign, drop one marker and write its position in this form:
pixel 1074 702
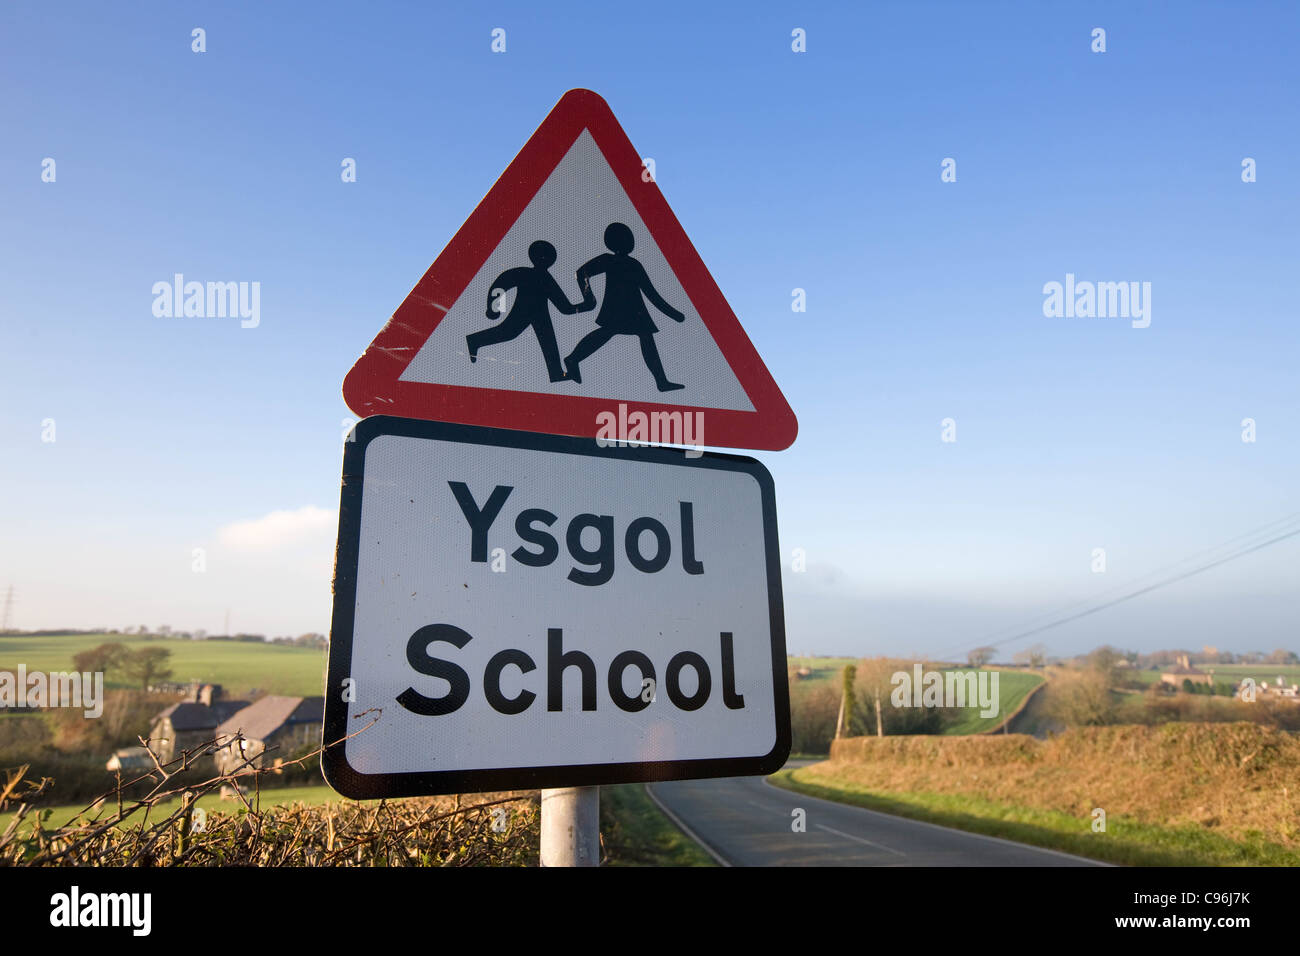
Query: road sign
pixel 570 295
pixel 516 611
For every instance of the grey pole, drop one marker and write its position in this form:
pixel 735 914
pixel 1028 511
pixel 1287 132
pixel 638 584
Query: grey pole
pixel 571 826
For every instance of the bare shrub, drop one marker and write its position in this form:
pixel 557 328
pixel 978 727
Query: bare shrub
pixel 163 827
pixel 1080 699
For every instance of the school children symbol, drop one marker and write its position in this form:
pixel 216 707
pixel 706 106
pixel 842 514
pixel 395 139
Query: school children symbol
pixel 546 311
pixel 623 311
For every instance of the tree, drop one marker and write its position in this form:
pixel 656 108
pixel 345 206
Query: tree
pixel 980 656
pixel 844 723
pixel 1082 700
pixel 876 686
pixel 101 659
pixel 1105 661
pixel 147 665
pixel 875 683
pixel 812 716
pixel 1035 656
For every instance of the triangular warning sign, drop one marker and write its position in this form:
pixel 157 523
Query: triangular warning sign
pixel 570 300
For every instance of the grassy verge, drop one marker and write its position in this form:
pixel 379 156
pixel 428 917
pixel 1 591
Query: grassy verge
pixel 637 833
pixel 1125 842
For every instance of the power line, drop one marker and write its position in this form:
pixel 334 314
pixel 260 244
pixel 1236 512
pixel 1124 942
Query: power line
pixel 1153 587
pixel 1271 527
pixel 1241 552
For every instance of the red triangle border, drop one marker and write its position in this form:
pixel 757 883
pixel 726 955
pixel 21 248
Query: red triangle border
pixel 373 386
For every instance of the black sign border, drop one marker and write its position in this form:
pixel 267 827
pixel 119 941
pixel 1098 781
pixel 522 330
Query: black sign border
pixel 360 786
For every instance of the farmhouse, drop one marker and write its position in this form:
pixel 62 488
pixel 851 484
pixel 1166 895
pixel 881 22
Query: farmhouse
pixel 189 724
pixel 1185 672
pixel 285 723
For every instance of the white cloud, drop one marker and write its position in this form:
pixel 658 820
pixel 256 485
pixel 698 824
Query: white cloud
pixel 282 530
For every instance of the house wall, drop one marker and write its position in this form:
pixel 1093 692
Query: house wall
pixel 289 740
pixel 175 743
pixel 229 758
pixel 1177 679
pixel 285 742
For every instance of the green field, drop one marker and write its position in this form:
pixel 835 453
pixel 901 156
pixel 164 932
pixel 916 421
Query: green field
pixel 236 665
pixel 1227 673
pixel 1013 688
pixel 1268 672
pixel 823 668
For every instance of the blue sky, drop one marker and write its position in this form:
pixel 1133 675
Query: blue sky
pixel 816 170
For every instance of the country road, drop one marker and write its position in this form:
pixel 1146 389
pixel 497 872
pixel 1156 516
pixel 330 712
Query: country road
pixel 745 821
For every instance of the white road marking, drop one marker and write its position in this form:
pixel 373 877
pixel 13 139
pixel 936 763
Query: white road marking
pixel 850 836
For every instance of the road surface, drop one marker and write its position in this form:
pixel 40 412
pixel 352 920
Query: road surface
pixel 745 821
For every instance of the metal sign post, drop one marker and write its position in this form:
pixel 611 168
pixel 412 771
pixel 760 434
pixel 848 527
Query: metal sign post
pixel 571 826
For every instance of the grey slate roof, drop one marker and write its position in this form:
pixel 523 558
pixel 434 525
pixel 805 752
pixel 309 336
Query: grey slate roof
pixel 260 719
pixel 225 709
pixel 188 715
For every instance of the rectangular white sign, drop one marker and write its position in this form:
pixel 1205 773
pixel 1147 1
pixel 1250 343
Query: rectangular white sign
pixel 516 611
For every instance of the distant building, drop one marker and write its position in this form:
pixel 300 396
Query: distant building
pixel 189 690
pixel 1280 689
pixel 1184 671
pixel 178 688
pixel 287 724
pixel 189 724
pixel 130 760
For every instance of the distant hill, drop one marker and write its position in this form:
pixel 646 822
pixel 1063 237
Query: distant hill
pixel 238 666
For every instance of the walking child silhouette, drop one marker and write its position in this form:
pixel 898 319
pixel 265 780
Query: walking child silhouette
pixel 535 288
pixel 623 311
